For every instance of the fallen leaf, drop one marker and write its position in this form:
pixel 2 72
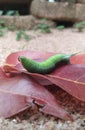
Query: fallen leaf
pixel 70 78
pixel 78 59
pixel 11 103
pixel 19 92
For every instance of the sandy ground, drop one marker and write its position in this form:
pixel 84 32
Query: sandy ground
pixel 66 41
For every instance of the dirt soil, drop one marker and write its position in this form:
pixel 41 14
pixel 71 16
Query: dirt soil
pixel 66 41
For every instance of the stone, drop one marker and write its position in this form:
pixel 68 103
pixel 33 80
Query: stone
pixel 80 9
pixel 61 11
pixel 23 22
pixel 70 1
pixel 19 22
pixel 53 11
pixel 80 1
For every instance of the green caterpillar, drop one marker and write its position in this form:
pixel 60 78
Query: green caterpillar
pixel 46 66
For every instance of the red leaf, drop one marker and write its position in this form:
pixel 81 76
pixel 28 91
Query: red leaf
pixel 18 92
pixel 18 69
pixel 75 83
pixel 11 103
pixel 78 59
pixel 70 78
